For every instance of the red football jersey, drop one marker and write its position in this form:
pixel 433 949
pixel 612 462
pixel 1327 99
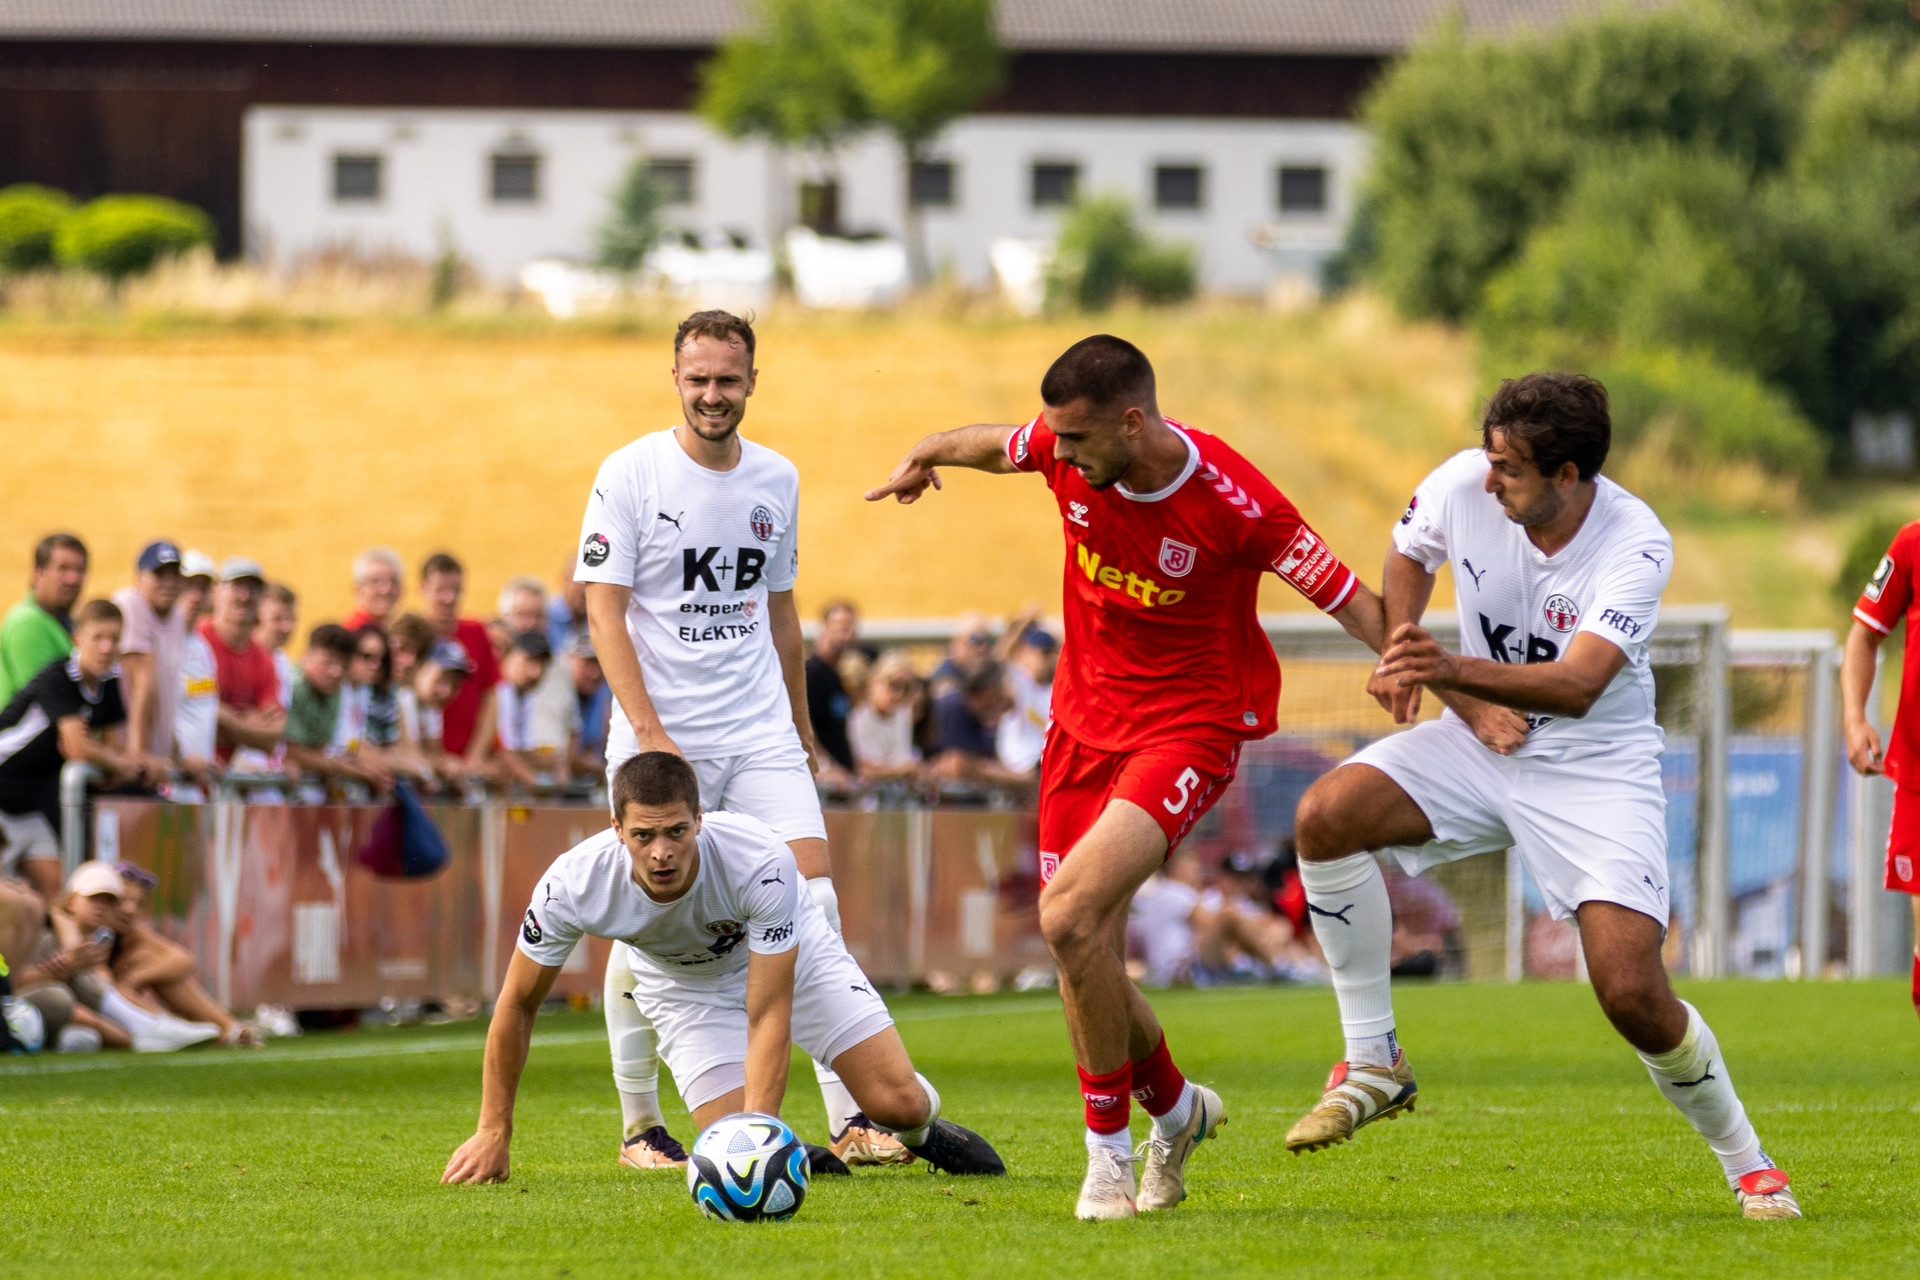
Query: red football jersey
pixel 1163 634
pixel 1887 599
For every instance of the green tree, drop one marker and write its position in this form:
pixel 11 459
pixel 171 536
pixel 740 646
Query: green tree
pixel 121 236
pixel 815 72
pixel 29 217
pixel 1101 253
pixel 633 226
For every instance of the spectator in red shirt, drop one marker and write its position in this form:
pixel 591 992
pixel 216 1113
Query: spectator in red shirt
pixel 250 710
pixel 467 724
pixel 376 589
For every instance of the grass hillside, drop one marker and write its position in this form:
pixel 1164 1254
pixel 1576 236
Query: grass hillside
pixel 300 446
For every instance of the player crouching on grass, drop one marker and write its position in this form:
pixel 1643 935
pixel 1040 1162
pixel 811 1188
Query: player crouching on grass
pixel 1558 574
pixel 684 892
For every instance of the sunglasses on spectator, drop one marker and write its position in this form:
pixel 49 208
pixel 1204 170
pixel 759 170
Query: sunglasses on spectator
pixel 139 875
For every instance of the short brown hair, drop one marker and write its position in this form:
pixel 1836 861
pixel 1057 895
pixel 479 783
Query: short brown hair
pixel 836 605
pixel 1103 370
pixel 281 593
pixel 97 611
pixel 43 550
pixel 413 633
pixel 440 562
pixel 654 779
pixel 723 326
pixel 1560 417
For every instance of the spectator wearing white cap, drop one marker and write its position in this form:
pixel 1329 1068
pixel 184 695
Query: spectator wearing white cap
pixel 251 713
pixel 197 572
pixel 377 574
pixel 151 646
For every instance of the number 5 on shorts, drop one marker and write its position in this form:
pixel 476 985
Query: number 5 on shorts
pixel 1182 791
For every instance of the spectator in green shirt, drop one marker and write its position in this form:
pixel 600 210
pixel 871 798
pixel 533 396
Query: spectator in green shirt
pixel 315 710
pixel 40 628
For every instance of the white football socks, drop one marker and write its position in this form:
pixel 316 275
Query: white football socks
pixel 1694 1077
pixel 640 1112
pixel 1347 901
pixel 634 1046
pixel 1120 1143
pixel 1175 1120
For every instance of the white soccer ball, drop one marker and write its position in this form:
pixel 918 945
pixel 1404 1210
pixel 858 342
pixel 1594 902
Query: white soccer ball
pixel 748 1167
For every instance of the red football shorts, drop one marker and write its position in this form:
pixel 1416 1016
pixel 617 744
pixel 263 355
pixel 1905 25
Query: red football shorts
pixel 1903 842
pixel 1176 782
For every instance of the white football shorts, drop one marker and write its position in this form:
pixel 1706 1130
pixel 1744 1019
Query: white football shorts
pixel 703 1033
pixel 1591 829
pixel 771 783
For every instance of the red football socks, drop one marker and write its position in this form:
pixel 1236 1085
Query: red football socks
pixel 1916 982
pixel 1157 1083
pixel 1106 1098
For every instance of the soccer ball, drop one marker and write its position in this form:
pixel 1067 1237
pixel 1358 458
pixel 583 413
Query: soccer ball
pixel 748 1167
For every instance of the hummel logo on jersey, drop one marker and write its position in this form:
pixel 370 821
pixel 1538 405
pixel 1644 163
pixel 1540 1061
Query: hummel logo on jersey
pixel 1688 1084
pixel 702 569
pixel 1340 915
pixel 1077 512
pixel 672 520
pixel 1477 573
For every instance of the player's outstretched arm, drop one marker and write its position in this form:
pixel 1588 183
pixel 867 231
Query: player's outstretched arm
pixel 483 1157
pixel 1566 687
pixel 1857 662
pixel 769 1028
pixel 982 447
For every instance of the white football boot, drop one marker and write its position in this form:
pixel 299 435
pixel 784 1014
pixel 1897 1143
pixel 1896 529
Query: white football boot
pixel 1354 1096
pixel 1163 1182
pixel 1764 1194
pixel 1107 1191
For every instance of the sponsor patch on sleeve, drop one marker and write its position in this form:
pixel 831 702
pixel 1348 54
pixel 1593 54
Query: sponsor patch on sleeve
pixel 1018 446
pixel 1307 562
pixel 1880 576
pixel 530 929
pixel 1413 505
pixel 593 553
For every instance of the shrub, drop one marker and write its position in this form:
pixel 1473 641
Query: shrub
pixel 29 217
pixel 632 226
pixel 1101 253
pixel 121 236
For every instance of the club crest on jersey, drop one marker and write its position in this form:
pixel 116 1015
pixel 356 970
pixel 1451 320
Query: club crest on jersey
pixel 1049 868
pixel 1562 613
pixel 593 553
pixel 1176 558
pixel 761 522
pixel 1903 868
pixel 721 928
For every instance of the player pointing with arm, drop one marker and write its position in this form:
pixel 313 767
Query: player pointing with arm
pixel 1559 574
pixel 685 895
pixel 1165 672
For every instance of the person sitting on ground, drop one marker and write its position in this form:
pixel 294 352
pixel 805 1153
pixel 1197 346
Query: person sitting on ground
pixel 965 721
pixel 522 669
pixel 151 968
pixel 71 710
pixel 1161 922
pixel 38 629
pixel 1239 934
pixel 377 574
pixel 68 979
pixel 880 728
pixel 313 718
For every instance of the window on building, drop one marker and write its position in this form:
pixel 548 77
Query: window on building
pixel 1303 188
pixel 516 178
pixel 672 178
pixel 931 184
pixel 356 179
pixel 820 207
pixel 1054 183
pixel 1178 186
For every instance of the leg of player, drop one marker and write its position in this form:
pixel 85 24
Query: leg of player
pixel 1915 899
pixel 1623 957
pixel 1342 818
pixel 851 1137
pixel 902 1102
pixel 644 1140
pixel 1184 1114
pixel 1082 910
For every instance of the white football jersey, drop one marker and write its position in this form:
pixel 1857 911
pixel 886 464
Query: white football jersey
pixel 746 891
pixel 1518 604
pixel 699 550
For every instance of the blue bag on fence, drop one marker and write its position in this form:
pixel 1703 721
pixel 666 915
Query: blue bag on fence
pixel 405 841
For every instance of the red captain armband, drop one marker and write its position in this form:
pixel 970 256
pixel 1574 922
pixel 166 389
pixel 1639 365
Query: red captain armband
pixel 1308 564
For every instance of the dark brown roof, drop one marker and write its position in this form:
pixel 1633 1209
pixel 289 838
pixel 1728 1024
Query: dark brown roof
pixel 1219 26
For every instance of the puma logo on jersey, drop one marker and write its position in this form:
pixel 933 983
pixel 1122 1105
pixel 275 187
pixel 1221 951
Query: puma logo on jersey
pixel 1476 574
pixel 1657 561
pixel 1689 1084
pixel 1131 585
pixel 672 520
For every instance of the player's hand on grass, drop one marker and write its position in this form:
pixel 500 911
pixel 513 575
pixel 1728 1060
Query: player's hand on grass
pixel 481 1158
pixel 908 481
pixel 1414 657
pixel 1863 749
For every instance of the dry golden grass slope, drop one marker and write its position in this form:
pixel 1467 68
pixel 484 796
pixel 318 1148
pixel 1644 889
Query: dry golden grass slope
pixel 302 447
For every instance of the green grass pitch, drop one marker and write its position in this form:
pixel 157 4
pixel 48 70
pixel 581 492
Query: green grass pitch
pixel 1539 1149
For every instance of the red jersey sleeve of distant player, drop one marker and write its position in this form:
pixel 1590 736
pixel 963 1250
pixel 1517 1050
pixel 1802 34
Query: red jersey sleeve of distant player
pixel 1886 597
